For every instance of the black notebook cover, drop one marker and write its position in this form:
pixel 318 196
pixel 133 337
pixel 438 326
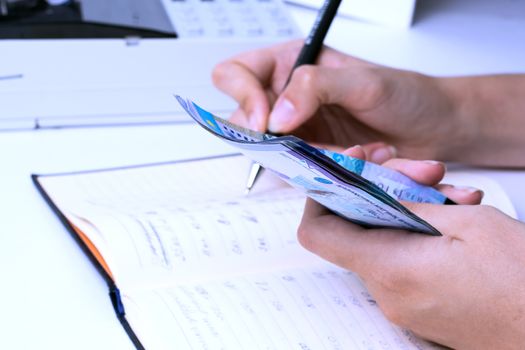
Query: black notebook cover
pixel 114 292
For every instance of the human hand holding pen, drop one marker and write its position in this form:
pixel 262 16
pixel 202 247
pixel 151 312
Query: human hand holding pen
pixel 340 101
pixel 308 55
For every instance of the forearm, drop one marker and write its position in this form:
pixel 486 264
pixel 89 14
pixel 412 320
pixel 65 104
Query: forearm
pixel 491 120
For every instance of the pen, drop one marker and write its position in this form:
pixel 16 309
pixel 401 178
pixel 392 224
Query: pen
pixel 308 55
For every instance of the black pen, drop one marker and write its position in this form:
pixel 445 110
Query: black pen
pixel 308 55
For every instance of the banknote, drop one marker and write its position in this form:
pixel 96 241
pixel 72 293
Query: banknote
pixel 392 182
pixel 360 191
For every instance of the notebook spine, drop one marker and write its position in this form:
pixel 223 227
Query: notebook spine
pixel 114 294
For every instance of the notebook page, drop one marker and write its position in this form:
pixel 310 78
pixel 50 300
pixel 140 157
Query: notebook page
pixel 316 308
pixel 154 225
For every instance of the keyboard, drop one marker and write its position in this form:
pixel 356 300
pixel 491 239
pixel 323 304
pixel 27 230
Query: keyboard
pixel 230 19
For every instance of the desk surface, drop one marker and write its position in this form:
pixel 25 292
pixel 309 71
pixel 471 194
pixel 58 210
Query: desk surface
pixel 52 296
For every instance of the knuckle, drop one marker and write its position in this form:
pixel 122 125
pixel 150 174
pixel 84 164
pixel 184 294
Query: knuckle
pixel 488 210
pixel 481 214
pixel 374 88
pixel 220 72
pixel 310 82
pixel 393 314
pixel 305 76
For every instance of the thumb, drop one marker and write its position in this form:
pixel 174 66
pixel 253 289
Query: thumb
pixel 310 87
pixel 349 245
pixel 366 251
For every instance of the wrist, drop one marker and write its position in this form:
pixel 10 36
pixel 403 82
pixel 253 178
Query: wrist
pixel 487 120
pixel 462 136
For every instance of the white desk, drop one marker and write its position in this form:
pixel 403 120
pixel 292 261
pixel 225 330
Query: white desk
pixel 94 82
pixel 53 298
pixel 449 37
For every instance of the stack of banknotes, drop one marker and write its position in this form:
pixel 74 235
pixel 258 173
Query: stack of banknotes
pixel 362 192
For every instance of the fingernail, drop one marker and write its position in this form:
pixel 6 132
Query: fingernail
pixel 281 115
pixel 468 189
pixel 351 150
pixel 435 162
pixel 381 155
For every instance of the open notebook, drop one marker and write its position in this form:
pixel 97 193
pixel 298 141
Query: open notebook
pixel 193 263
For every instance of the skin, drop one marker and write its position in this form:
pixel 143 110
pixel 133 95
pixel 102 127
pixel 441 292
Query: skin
pixel 466 289
pixel 343 101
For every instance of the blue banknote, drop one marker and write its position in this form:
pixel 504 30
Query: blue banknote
pixel 360 191
pixel 392 182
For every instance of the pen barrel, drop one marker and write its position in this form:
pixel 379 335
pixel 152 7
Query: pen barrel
pixel 314 41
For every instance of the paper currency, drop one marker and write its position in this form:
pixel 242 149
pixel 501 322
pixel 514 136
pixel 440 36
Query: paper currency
pixel 362 192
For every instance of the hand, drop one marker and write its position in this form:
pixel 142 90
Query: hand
pixel 465 290
pixel 427 172
pixel 342 101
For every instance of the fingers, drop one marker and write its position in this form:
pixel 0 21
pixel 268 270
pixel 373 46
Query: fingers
pixel 367 251
pixel 426 172
pixel 250 76
pixel 321 233
pixel 461 195
pixel 349 245
pixel 239 117
pixel 241 84
pixel 354 88
pixel 430 173
pixel 379 152
pixel 355 152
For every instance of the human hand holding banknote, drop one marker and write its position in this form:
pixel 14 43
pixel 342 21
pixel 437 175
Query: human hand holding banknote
pixel 464 290
pixel 424 172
